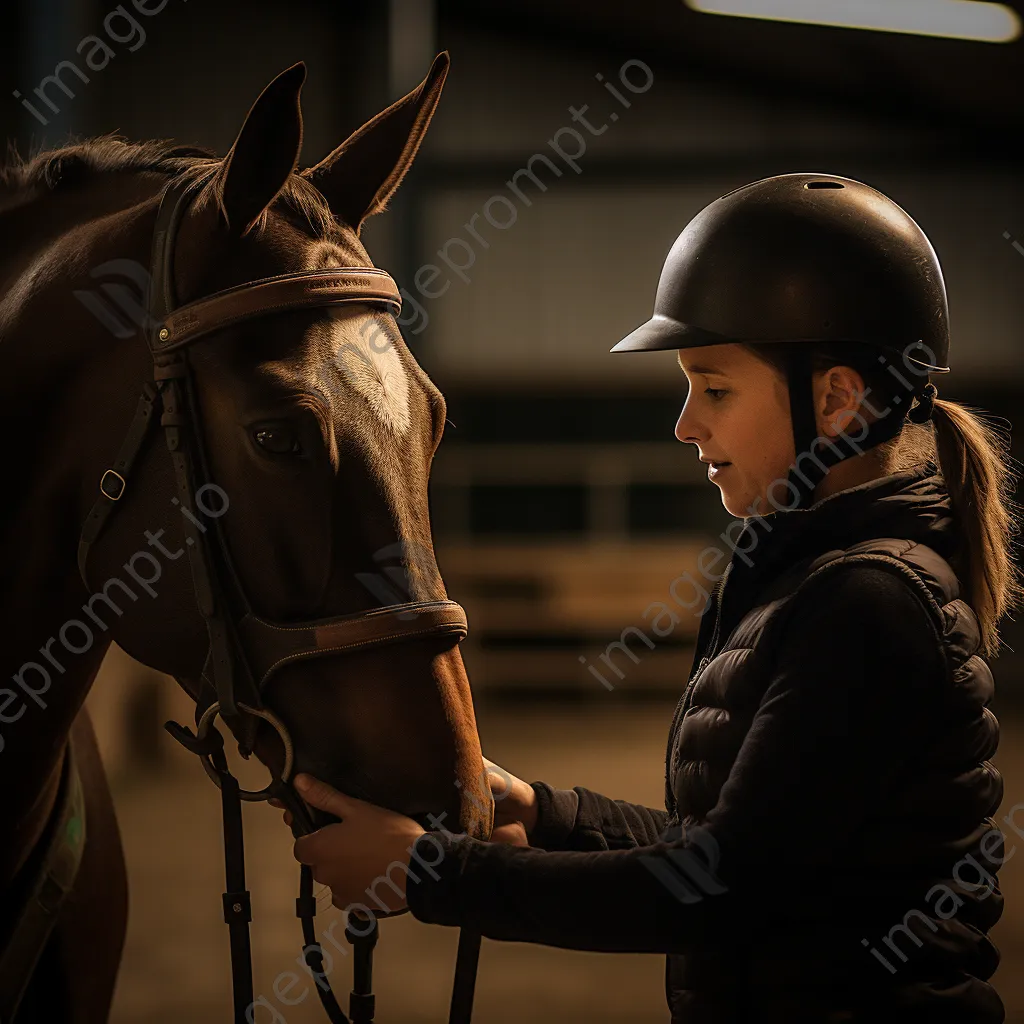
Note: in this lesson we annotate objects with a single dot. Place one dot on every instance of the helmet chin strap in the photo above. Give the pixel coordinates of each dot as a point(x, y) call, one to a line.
point(815, 455)
point(806, 474)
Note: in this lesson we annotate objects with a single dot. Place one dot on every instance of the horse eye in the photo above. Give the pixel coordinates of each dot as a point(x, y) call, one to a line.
point(278, 440)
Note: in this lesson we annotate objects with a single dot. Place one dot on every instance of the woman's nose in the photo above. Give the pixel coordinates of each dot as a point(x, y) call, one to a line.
point(686, 429)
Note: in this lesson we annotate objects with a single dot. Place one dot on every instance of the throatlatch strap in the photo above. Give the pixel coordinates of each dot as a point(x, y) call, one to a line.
point(114, 481)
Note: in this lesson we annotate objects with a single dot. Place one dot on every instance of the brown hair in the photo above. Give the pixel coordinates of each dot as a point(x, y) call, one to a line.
point(972, 454)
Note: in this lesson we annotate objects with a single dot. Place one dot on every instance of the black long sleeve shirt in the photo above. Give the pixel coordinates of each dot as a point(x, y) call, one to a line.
point(831, 731)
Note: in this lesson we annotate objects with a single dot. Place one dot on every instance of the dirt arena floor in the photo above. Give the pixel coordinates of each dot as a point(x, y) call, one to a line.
point(176, 963)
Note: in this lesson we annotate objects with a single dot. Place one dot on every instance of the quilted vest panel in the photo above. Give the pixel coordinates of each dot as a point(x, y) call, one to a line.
point(928, 820)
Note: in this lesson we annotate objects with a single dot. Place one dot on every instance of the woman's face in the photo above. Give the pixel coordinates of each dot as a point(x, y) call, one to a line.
point(737, 413)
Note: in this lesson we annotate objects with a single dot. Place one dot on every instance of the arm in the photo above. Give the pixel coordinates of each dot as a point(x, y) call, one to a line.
point(839, 718)
point(570, 819)
point(580, 819)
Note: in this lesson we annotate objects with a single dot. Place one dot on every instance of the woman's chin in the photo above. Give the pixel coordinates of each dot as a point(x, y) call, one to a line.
point(733, 508)
point(736, 504)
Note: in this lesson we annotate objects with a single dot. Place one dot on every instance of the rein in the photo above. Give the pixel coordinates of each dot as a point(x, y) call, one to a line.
point(245, 650)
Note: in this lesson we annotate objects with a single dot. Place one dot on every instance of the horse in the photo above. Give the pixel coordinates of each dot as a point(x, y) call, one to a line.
point(312, 433)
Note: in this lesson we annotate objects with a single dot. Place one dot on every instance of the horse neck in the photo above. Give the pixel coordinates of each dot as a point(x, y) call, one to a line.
point(68, 390)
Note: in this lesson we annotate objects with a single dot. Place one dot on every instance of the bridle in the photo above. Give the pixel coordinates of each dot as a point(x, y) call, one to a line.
point(245, 650)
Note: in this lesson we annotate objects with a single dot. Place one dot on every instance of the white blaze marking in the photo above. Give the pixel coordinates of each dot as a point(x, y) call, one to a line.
point(365, 353)
point(366, 356)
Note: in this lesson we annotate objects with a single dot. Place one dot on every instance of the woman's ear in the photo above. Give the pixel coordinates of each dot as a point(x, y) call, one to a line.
point(839, 397)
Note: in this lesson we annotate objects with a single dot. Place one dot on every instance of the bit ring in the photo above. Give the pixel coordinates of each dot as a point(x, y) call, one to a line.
point(206, 723)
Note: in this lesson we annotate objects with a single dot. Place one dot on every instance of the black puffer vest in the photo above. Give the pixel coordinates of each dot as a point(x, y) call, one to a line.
point(815, 963)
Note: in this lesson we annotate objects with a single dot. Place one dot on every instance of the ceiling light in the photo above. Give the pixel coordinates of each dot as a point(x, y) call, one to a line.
point(951, 19)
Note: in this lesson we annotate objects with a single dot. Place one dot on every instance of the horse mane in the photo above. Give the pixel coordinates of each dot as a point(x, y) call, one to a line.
point(76, 162)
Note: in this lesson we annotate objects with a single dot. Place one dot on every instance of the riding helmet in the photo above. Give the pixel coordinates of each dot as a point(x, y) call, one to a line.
point(804, 259)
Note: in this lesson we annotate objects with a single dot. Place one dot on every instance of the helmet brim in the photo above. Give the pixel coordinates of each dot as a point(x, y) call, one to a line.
point(662, 332)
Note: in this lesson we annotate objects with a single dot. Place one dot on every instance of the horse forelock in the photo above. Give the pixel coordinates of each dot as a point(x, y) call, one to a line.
point(77, 162)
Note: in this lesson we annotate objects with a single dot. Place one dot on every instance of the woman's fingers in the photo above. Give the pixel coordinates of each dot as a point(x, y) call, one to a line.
point(316, 848)
point(322, 796)
point(514, 800)
point(499, 780)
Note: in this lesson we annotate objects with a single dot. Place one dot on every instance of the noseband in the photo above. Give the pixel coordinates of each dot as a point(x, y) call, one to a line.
point(245, 651)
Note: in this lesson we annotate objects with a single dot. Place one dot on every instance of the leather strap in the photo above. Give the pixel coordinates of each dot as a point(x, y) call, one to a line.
point(237, 904)
point(269, 646)
point(230, 685)
point(361, 1000)
point(53, 881)
point(464, 986)
point(302, 290)
point(173, 206)
point(114, 481)
point(312, 951)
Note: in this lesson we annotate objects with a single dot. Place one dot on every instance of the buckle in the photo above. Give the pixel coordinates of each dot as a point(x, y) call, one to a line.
point(112, 485)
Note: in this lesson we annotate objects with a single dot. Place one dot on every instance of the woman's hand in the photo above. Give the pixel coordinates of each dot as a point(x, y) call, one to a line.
point(515, 806)
point(370, 845)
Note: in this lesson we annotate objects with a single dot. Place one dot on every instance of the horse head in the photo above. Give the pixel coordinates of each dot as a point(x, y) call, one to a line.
point(312, 429)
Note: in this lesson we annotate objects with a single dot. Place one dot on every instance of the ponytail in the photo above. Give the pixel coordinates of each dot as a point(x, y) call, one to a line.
point(974, 457)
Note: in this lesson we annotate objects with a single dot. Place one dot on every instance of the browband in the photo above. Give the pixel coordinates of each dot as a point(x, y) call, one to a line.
point(303, 289)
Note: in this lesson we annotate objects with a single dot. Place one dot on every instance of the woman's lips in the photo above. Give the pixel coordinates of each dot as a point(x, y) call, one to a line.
point(715, 468)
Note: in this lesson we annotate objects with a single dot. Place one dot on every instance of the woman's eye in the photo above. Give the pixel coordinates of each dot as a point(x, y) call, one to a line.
point(714, 392)
point(277, 440)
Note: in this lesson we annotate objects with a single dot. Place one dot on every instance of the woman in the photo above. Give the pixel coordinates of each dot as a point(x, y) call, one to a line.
point(827, 852)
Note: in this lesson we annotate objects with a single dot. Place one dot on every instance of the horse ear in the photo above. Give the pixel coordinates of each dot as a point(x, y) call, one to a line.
point(266, 151)
point(361, 175)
